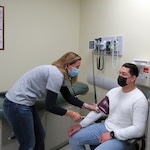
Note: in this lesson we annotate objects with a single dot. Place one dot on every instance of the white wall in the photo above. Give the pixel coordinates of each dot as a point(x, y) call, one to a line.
point(36, 32)
point(39, 31)
point(130, 18)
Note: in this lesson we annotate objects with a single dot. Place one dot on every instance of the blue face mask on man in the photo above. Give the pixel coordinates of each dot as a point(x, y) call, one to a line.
point(74, 72)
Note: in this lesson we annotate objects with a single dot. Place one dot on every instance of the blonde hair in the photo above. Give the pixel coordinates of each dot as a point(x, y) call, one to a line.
point(67, 59)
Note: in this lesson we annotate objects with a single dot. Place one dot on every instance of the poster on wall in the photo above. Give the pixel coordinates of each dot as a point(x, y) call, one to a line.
point(1, 27)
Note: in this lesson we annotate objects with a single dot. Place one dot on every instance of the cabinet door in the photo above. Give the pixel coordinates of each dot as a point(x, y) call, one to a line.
point(57, 129)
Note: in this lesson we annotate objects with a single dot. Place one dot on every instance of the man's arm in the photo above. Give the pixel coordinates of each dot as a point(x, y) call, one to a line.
point(91, 117)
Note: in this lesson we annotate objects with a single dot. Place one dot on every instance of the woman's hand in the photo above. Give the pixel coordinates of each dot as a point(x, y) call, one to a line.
point(91, 107)
point(75, 116)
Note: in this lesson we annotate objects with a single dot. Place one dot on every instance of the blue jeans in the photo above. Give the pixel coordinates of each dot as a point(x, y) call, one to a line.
point(26, 125)
point(90, 135)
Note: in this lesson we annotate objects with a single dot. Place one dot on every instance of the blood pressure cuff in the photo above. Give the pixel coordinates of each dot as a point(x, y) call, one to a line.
point(103, 105)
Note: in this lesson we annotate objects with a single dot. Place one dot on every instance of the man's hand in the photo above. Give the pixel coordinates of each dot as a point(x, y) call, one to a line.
point(105, 137)
point(74, 129)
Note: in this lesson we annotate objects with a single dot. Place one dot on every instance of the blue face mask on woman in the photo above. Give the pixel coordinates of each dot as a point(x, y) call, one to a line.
point(74, 72)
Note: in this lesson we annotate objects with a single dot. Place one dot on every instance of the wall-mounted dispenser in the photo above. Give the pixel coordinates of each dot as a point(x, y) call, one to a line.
point(144, 72)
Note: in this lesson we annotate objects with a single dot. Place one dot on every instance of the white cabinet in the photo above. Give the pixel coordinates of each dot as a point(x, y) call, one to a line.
point(57, 129)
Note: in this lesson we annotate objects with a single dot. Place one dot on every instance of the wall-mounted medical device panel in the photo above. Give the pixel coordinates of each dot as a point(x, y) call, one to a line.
point(107, 45)
point(144, 72)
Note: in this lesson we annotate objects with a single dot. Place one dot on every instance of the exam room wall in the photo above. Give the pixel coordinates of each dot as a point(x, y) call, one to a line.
point(129, 18)
point(36, 32)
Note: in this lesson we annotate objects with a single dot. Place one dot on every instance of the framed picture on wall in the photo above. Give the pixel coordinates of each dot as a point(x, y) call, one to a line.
point(1, 27)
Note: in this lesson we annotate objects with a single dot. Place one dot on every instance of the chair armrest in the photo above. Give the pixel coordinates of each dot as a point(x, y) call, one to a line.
point(131, 141)
point(137, 140)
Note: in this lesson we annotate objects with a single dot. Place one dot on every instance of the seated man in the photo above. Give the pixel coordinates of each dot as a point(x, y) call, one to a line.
point(127, 118)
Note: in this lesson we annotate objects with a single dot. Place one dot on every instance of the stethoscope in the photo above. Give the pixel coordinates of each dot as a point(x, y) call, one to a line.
point(100, 55)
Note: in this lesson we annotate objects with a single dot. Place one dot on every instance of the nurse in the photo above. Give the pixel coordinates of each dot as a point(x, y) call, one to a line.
point(42, 82)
